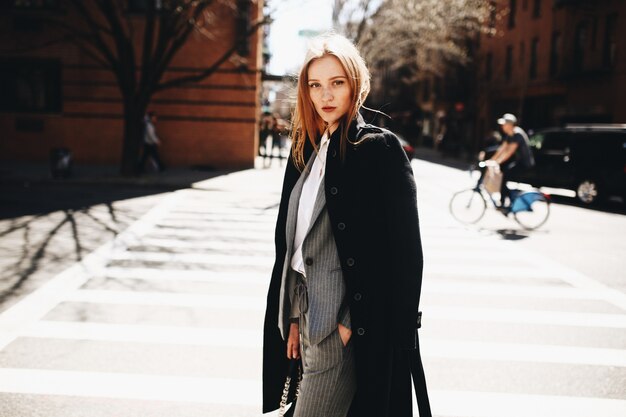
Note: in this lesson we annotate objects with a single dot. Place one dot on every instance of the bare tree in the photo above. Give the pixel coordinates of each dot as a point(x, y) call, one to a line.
point(424, 36)
point(103, 30)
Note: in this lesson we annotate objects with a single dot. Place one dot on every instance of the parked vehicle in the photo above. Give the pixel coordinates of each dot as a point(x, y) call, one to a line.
point(589, 159)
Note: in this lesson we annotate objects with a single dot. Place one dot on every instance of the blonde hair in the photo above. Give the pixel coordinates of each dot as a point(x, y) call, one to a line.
point(307, 124)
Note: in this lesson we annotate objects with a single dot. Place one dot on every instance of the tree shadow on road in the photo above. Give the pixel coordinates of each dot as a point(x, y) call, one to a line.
point(45, 229)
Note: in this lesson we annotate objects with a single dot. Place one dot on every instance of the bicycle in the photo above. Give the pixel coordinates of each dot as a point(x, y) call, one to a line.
point(530, 209)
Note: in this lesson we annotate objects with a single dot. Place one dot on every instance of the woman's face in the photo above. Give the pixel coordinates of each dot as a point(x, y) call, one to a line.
point(329, 89)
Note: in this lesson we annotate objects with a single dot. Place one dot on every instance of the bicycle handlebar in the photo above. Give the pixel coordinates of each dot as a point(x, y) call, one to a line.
point(488, 163)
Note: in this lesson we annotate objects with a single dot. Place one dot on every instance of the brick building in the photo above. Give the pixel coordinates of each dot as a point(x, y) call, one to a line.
point(553, 62)
point(58, 96)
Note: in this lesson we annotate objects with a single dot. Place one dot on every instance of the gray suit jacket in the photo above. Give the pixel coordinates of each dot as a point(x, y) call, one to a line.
point(324, 277)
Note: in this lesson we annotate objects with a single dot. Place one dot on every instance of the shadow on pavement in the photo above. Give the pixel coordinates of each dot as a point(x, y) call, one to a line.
point(47, 225)
point(613, 207)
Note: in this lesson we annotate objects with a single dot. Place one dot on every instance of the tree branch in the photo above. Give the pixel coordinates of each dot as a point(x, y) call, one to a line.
point(210, 70)
point(95, 34)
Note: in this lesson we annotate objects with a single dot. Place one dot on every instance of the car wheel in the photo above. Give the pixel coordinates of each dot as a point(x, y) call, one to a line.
point(587, 191)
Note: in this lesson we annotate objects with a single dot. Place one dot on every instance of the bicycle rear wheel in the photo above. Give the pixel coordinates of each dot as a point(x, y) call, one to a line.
point(468, 206)
point(531, 209)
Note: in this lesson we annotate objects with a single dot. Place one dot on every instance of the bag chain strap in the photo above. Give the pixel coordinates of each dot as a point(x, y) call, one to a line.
point(283, 398)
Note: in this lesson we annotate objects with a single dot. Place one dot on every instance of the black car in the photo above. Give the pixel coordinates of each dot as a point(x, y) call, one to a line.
point(589, 159)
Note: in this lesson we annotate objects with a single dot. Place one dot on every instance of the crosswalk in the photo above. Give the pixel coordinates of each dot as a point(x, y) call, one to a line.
point(167, 319)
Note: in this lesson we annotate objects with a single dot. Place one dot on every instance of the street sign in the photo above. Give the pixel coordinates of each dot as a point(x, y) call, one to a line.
point(309, 33)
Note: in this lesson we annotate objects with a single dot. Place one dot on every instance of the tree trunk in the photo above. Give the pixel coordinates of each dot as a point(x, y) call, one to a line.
point(133, 130)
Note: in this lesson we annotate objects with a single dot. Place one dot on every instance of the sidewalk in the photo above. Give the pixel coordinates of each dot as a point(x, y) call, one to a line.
point(12, 172)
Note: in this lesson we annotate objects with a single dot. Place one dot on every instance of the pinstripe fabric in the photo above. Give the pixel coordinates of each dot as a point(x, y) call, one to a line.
point(325, 283)
point(328, 378)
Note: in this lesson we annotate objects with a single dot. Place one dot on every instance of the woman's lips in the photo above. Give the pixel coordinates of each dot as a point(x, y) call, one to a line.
point(328, 109)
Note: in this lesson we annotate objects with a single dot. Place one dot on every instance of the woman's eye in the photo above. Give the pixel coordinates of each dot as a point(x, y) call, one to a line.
point(314, 85)
point(338, 82)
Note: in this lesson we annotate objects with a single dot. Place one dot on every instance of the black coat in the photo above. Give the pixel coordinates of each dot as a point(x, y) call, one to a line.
point(371, 202)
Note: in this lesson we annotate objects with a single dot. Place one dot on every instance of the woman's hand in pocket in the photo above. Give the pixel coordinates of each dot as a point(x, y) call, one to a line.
point(344, 333)
point(293, 342)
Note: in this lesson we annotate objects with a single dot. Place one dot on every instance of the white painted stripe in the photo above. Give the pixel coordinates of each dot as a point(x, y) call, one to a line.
point(218, 225)
point(454, 313)
point(243, 235)
point(236, 260)
point(223, 302)
point(510, 290)
point(490, 257)
point(130, 386)
point(429, 286)
point(248, 392)
point(229, 212)
point(252, 277)
point(254, 248)
point(503, 315)
point(220, 245)
point(141, 333)
point(517, 352)
point(492, 404)
point(247, 216)
point(480, 271)
point(252, 339)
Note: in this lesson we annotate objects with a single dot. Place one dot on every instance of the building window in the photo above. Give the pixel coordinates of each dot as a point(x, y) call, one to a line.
point(580, 41)
point(30, 86)
point(512, 12)
point(508, 66)
point(537, 9)
point(533, 58)
point(610, 40)
point(555, 54)
point(243, 26)
point(522, 52)
point(489, 66)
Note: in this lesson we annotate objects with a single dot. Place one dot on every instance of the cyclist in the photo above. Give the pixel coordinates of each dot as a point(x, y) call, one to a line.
point(513, 155)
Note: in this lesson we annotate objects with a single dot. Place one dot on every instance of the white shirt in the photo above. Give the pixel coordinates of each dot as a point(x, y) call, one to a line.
point(307, 201)
point(150, 136)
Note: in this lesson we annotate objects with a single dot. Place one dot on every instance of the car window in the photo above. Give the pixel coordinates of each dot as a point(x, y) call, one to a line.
point(555, 141)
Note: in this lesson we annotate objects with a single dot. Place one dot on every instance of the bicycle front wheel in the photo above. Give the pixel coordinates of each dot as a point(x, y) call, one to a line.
point(531, 209)
point(468, 206)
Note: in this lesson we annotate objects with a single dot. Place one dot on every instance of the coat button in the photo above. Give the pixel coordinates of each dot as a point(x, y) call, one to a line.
point(308, 261)
point(341, 226)
point(334, 153)
point(360, 331)
point(333, 190)
point(350, 262)
point(357, 296)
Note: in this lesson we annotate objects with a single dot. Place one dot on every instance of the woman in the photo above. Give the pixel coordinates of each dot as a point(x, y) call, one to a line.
point(345, 287)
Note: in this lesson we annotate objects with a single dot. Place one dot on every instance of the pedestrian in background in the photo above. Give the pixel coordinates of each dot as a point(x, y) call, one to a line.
point(151, 143)
point(265, 131)
point(513, 155)
point(345, 287)
point(278, 126)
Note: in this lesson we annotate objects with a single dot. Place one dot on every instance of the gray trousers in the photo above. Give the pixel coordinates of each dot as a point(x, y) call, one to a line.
point(328, 376)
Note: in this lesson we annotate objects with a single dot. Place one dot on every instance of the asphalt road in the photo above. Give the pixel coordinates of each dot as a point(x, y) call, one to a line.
point(166, 320)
